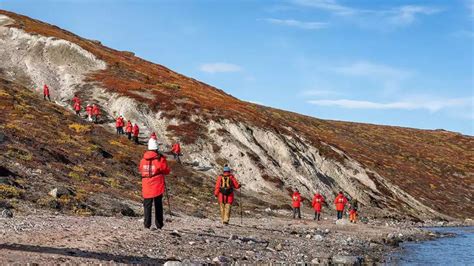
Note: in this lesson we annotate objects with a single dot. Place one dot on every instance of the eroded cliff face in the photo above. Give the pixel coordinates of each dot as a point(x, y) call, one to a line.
point(267, 162)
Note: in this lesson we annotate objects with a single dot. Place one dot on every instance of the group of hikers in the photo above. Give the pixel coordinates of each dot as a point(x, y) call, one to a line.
point(340, 203)
point(153, 167)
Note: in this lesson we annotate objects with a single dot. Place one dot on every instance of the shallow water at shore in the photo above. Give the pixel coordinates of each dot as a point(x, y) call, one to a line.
point(457, 250)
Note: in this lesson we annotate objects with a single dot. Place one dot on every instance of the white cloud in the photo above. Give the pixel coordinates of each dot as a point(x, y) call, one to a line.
point(373, 71)
point(397, 16)
point(307, 25)
point(219, 67)
point(414, 104)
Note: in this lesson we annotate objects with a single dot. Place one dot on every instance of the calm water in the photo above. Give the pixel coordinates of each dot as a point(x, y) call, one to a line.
point(458, 250)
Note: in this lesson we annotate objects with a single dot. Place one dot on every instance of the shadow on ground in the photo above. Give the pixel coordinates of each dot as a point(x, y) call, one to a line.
point(74, 252)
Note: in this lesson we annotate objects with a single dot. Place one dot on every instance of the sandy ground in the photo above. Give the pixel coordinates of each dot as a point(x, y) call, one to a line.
point(60, 239)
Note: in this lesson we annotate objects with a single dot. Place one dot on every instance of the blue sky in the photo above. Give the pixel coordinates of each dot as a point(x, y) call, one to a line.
point(407, 62)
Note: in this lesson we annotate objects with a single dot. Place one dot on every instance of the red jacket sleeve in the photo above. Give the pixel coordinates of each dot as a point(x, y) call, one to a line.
point(235, 182)
point(218, 185)
point(164, 166)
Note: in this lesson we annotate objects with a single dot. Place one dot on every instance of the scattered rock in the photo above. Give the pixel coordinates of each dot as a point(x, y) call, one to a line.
point(342, 222)
point(233, 237)
point(7, 213)
point(346, 260)
point(173, 263)
point(268, 210)
point(221, 260)
point(192, 243)
point(2, 137)
point(61, 191)
point(279, 247)
point(318, 237)
point(308, 236)
point(175, 233)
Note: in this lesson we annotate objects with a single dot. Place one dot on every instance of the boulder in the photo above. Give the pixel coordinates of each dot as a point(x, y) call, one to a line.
point(318, 237)
point(346, 260)
point(61, 191)
point(343, 222)
point(173, 263)
point(6, 213)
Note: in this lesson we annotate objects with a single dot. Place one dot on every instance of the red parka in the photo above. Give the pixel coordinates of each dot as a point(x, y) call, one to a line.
point(135, 130)
point(95, 110)
point(77, 106)
point(176, 149)
point(340, 202)
point(119, 122)
point(317, 203)
point(129, 127)
point(76, 100)
point(235, 184)
point(45, 90)
point(89, 110)
point(296, 200)
point(153, 168)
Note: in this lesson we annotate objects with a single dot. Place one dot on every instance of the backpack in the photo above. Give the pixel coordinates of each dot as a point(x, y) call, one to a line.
point(226, 186)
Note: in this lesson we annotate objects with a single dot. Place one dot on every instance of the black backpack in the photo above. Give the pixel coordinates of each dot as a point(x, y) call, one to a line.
point(226, 186)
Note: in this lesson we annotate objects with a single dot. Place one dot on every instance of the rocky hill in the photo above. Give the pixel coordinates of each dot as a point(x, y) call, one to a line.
point(392, 171)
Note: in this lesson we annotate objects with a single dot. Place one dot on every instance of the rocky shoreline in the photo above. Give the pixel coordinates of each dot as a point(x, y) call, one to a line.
point(268, 239)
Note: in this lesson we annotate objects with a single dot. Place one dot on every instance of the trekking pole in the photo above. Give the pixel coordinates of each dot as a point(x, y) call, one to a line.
point(241, 203)
point(167, 197)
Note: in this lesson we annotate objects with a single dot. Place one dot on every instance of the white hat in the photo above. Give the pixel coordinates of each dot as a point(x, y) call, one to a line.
point(152, 145)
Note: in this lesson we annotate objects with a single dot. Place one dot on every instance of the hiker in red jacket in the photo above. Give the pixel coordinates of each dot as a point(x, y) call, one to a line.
point(135, 132)
point(296, 203)
point(318, 201)
point(95, 112)
point(340, 203)
point(46, 92)
point(224, 191)
point(76, 99)
point(119, 123)
point(153, 168)
point(176, 151)
point(89, 112)
point(77, 107)
point(128, 129)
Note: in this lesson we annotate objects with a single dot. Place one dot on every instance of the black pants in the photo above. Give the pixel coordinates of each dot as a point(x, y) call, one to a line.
point(296, 211)
point(44, 97)
point(339, 214)
point(135, 138)
point(129, 134)
point(96, 119)
point(176, 157)
point(147, 205)
point(119, 130)
point(317, 215)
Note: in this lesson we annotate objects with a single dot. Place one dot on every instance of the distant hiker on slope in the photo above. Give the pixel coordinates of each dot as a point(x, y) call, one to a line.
point(75, 100)
point(318, 201)
point(340, 203)
point(224, 191)
point(46, 92)
point(153, 140)
point(119, 123)
point(95, 112)
point(153, 168)
point(89, 112)
point(296, 203)
point(77, 107)
point(353, 207)
point(128, 129)
point(135, 132)
point(176, 151)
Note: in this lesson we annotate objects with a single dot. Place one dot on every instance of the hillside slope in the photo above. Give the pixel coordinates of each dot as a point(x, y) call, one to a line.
point(390, 170)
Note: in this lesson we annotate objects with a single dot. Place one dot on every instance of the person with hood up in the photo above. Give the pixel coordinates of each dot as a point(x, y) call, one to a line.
point(119, 123)
point(135, 133)
point(89, 112)
point(296, 203)
point(95, 112)
point(153, 168)
point(76, 99)
point(318, 201)
point(46, 92)
point(224, 191)
point(340, 203)
point(77, 107)
point(176, 151)
point(128, 130)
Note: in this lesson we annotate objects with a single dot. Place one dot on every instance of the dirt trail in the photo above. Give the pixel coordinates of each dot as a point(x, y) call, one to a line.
point(59, 239)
